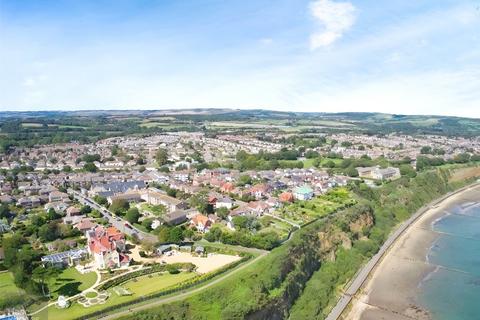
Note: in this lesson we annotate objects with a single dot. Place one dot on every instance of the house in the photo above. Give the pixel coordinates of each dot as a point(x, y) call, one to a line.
point(114, 188)
point(106, 245)
point(86, 225)
point(259, 190)
point(57, 196)
point(227, 187)
point(258, 207)
point(286, 197)
point(68, 258)
point(303, 193)
point(201, 222)
point(73, 211)
point(378, 173)
point(29, 202)
point(157, 198)
point(225, 202)
point(175, 217)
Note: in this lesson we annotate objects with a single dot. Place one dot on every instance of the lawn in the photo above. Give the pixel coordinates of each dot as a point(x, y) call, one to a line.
point(279, 227)
point(7, 286)
point(139, 287)
point(158, 210)
point(71, 282)
point(302, 212)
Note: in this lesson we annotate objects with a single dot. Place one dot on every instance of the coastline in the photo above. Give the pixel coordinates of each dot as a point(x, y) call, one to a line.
point(391, 289)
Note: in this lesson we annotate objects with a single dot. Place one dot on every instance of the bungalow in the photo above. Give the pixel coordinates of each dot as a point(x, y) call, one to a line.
point(303, 193)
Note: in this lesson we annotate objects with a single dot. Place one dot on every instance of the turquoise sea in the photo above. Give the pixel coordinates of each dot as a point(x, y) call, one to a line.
point(452, 291)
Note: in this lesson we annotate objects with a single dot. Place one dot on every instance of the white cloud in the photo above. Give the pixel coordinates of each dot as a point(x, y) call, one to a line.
point(335, 18)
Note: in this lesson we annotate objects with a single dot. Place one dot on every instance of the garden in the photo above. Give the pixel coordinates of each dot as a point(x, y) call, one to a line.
point(302, 212)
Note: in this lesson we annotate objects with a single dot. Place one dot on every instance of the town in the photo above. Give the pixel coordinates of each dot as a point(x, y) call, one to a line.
point(181, 206)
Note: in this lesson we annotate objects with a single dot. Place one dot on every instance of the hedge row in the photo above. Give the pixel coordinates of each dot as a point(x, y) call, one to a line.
point(178, 287)
point(154, 268)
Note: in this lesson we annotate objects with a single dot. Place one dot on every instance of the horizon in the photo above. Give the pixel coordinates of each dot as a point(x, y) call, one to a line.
point(308, 56)
point(230, 110)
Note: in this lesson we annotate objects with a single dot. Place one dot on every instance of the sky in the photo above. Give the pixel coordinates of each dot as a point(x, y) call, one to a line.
point(396, 56)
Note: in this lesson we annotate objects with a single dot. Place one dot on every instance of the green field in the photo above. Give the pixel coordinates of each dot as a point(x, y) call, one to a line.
point(70, 282)
point(158, 210)
point(139, 287)
point(302, 212)
point(7, 286)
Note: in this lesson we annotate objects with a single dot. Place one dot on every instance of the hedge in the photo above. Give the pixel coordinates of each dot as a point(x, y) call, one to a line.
point(175, 288)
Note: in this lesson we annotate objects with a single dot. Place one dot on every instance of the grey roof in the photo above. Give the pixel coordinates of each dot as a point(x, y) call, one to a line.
point(122, 186)
point(62, 256)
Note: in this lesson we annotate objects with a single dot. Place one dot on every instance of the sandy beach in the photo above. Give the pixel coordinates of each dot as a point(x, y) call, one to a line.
point(390, 291)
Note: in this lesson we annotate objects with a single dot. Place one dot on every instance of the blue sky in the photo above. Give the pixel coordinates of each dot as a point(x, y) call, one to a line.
point(411, 57)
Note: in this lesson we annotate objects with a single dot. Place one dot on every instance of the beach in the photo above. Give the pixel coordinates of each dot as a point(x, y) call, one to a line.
point(392, 289)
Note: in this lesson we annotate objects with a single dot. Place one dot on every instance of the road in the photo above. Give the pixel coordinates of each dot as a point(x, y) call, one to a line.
point(116, 221)
point(181, 296)
point(362, 276)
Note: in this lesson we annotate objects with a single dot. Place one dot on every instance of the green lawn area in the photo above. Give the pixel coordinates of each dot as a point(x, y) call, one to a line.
point(155, 210)
point(279, 227)
point(302, 212)
point(70, 282)
point(7, 286)
point(142, 286)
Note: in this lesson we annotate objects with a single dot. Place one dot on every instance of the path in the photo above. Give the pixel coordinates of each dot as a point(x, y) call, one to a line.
point(182, 295)
point(361, 276)
point(97, 283)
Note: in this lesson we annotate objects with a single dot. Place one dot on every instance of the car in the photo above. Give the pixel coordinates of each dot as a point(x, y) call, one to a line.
point(128, 225)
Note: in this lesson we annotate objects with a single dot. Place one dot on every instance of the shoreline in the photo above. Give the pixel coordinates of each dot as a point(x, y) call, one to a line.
point(390, 291)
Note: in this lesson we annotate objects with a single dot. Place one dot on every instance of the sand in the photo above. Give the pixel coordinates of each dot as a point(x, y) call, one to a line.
point(204, 264)
point(390, 291)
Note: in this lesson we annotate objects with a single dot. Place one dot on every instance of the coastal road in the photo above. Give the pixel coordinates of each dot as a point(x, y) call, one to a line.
point(116, 221)
point(362, 276)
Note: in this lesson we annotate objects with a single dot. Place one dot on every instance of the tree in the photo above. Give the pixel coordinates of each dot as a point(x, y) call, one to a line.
point(351, 172)
point(243, 180)
point(119, 206)
point(148, 246)
point(52, 214)
point(407, 170)
point(43, 274)
point(222, 212)
point(49, 231)
point(90, 167)
point(4, 211)
point(161, 157)
point(100, 200)
point(175, 235)
point(132, 215)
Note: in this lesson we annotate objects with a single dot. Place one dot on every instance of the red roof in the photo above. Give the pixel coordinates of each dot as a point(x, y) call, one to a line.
point(286, 197)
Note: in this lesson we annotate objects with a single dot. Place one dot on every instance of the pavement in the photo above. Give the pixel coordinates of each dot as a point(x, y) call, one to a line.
point(363, 274)
point(114, 220)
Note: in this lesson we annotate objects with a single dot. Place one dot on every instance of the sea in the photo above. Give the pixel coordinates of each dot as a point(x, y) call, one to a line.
point(452, 291)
